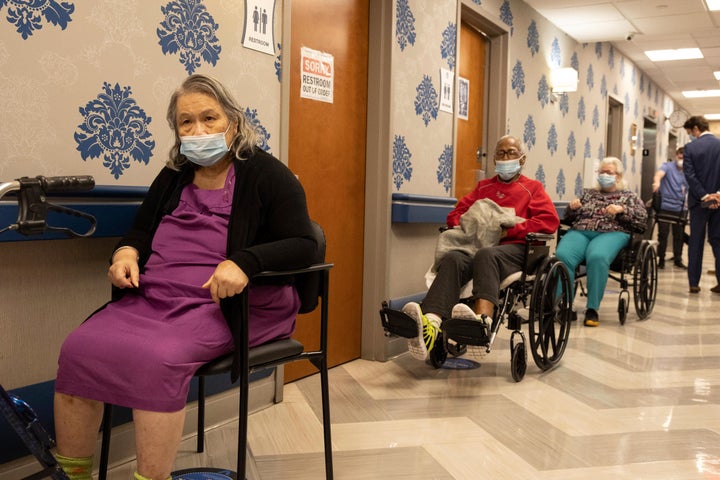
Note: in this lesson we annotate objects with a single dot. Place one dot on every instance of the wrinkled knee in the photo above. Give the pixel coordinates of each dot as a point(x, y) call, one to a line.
point(453, 259)
point(484, 255)
point(597, 260)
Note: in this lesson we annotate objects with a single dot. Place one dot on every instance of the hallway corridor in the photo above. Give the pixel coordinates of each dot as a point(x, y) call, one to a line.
point(639, 401)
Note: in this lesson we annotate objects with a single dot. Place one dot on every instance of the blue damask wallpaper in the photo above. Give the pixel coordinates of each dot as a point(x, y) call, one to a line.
point(562, 133)
point(86, 84)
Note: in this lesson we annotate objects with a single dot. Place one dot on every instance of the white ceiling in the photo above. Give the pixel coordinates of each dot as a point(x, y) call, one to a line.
point(653, 25)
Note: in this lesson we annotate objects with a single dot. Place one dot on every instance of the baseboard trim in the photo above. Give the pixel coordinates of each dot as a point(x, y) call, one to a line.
point(219, 409)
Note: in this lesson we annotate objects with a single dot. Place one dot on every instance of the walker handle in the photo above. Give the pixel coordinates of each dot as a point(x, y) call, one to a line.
point(33, 205)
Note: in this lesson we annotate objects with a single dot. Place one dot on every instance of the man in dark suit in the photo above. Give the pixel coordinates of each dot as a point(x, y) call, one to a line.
point(702, 171)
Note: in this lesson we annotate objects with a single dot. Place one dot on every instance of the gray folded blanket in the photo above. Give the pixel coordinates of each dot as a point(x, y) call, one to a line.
point(481, 226)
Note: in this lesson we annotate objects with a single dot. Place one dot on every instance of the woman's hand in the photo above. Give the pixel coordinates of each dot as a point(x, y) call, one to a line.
point(124, 271)
point(227, 280)
point(575, 204)
point(614, 209)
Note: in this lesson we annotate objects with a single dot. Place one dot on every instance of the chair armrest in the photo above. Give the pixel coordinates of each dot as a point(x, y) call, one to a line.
point(312, 268)
point(539, 237)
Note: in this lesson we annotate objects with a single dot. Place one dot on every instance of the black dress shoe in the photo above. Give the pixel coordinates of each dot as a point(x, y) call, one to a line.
point(680, 265)
point(661, 265)
point(694, 290)
point(716, 288)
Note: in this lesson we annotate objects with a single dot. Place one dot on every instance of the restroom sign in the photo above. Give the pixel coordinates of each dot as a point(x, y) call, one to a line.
point(259, 21)
point(317, 75)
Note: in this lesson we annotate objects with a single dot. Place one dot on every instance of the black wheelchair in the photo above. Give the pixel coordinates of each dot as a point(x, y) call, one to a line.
point(636, 267)
point(539, 295)
point(657, 216)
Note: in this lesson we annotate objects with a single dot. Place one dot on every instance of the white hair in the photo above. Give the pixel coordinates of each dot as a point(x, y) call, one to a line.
point(618, 169)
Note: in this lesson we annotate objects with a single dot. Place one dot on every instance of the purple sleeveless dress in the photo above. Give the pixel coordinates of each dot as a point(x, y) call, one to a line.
point(141, 351)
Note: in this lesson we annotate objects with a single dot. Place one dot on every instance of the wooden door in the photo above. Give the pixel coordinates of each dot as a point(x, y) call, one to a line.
point(471, 66)
point(327, 152)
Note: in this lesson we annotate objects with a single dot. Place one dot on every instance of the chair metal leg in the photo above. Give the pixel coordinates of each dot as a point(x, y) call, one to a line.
point(201, 415)
point(105, 445)
point(325, 393)
point(243, 423)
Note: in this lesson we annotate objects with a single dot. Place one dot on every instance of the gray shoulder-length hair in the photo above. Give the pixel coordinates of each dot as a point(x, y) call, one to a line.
point(618, 169)
point(244, 141)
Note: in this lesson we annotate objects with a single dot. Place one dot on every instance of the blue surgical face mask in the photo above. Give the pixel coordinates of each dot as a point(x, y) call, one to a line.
point(507, 169)
point(606, 180)
point(204, 150)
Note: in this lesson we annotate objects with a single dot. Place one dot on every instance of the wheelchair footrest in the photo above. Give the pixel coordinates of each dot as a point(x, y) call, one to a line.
point(466, 332)
point(398, 323)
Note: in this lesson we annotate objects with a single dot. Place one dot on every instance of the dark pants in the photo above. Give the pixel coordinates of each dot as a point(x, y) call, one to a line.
point(486, 269)
point(703, 220)
point(677, 233)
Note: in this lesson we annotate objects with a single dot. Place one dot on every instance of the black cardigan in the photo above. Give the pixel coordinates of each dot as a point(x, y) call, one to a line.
point(269, 227)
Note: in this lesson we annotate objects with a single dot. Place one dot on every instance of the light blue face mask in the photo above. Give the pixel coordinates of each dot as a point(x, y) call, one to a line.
point(204, 150)
point(507, 169)
point(606, 180)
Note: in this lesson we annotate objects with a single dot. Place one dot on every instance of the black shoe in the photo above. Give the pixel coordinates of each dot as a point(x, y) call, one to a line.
point(680, 265)
point(661, 265)
point(591, 318)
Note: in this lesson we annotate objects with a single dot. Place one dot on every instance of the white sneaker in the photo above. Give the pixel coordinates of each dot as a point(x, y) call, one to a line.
point(420, 346)
point(464, 312)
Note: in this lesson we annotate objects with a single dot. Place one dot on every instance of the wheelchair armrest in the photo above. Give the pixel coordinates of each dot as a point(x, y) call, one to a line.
point(539, 237)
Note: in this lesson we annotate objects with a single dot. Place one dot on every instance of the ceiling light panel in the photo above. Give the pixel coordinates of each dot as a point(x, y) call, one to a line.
point(713, 5)
point(674, 54)
point(701, 93)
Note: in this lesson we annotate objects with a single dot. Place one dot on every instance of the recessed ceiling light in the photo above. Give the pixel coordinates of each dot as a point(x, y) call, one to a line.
point(676, 54)
point(712, 116)
point(717, 75)
point(713, 4)
point(701, 93)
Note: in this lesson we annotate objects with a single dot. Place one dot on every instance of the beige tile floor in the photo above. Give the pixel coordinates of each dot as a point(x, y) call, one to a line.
point(639, 401)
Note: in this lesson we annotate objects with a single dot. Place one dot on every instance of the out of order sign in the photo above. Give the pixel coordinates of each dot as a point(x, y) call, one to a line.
point(317, 75)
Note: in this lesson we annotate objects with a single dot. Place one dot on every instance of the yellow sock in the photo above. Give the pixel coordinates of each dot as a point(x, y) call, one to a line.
point(140, 477)
point(76, 468)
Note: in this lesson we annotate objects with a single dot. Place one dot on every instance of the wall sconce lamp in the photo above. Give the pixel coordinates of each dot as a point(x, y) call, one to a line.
point(633, 139)
point(563, 80)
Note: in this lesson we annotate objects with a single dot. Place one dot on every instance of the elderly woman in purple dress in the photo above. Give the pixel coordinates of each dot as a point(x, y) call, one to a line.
point(221, 211)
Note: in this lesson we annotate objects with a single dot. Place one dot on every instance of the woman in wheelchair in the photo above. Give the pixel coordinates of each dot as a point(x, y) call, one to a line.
point(487, 267)
point(601, 222)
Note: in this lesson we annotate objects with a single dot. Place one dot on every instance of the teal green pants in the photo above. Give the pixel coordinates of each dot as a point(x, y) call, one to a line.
point(598, 250)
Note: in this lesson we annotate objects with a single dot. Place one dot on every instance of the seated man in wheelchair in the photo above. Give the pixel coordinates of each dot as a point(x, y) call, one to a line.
point(489, 265)
point(601, 222)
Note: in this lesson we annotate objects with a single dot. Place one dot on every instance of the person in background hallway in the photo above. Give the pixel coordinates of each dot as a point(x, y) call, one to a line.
point(221, 211)
point(601, 223)
point(509, 188)
point(669, 180)
point(702, 171)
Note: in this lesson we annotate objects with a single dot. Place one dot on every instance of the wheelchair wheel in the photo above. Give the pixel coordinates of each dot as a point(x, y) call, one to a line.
point(645, 281)
point(623, 305)
point(550, 311)
point(456, 349)
point(518, 357)
point(622, 310)
point(438, 354)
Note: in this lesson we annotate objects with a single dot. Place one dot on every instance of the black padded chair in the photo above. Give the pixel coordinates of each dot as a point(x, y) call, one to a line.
point(312, 285)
